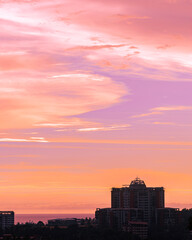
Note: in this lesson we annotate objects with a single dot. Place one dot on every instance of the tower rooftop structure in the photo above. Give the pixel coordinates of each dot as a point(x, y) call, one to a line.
point(137, 183)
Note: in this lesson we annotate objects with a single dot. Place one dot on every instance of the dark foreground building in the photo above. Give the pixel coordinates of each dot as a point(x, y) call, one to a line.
point(117, 218)
point(126, 219)
point(6, 219)
point(137, 208)
point(166, 217)
point(63, 222)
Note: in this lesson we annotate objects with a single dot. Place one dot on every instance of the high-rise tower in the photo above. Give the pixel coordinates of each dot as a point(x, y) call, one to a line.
point(137, 195)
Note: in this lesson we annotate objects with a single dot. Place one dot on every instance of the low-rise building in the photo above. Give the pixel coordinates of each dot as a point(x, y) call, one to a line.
point(117, 218)
point(166, 217)
point(123, 219)
point(63, 222)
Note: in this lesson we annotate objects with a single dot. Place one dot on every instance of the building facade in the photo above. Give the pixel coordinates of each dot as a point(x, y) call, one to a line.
point(137, 195)
point(6, 219)
point(123, 219)
point(117, 218)
point(167, 217)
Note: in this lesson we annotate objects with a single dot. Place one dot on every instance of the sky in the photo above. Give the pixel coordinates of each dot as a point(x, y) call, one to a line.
point(94, 93)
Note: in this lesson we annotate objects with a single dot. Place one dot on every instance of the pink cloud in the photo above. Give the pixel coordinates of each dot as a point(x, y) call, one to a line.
point(48, 100)
point(96, 47)
point(14, 62)
point(82, 26)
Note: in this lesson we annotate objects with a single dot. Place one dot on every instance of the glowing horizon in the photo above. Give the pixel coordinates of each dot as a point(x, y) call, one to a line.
point(93, 94)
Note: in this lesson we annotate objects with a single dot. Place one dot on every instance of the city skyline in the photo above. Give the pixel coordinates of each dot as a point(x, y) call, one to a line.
point(139, 209)
point(93, 94)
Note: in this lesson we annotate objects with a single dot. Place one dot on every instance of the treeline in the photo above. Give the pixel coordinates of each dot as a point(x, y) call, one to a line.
point(37, 232)
point(33, 231)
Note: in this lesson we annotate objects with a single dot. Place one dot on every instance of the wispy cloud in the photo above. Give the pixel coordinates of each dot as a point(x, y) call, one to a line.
point(96, 47)
point(161, 110)
point(67, 123)
point(164, 123)
point(89, 129)
point(146, 114)
point(23, 166)
point(18, 156)
point(106, 128)
point(23, 140)
point(172, 108)
point(122, 142)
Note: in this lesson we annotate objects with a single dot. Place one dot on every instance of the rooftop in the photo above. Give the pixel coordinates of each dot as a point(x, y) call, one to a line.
point(137, 182)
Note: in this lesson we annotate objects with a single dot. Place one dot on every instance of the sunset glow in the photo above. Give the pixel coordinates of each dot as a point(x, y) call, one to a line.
point(92, 94)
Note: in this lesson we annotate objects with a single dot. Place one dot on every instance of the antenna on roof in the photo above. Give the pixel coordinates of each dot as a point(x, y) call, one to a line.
point(125, 185)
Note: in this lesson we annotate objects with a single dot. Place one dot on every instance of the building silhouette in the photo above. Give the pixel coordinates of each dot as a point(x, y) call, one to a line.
point(6, 219)
point(138, 209)
point(126, 219)
point(137, 195)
